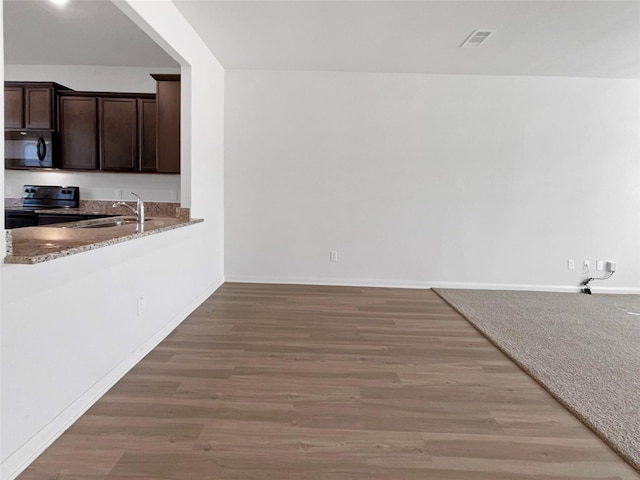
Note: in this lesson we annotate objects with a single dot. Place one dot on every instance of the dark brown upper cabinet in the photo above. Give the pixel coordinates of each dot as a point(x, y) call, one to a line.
point(114, 132)
point(13, 107)
point(78, 125)
point(118, 134)
point(168, 127)
point(109, 131)
point(147, 126)
point(30, 105)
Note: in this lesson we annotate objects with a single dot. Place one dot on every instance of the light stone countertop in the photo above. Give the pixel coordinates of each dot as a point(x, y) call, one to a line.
point(31, 245)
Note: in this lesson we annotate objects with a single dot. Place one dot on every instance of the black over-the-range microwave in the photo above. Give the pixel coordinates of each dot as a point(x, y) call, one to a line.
point(30, 149)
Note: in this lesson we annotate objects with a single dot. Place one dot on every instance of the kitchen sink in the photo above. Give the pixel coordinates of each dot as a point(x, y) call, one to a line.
point(133, 219)
point(115, 223)
point(105, 223)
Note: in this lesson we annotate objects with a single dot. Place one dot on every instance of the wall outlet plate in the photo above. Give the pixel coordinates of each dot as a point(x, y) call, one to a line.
point(140, 306)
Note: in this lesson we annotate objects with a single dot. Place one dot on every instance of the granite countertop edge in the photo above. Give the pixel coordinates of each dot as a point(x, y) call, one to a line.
point(34, 259)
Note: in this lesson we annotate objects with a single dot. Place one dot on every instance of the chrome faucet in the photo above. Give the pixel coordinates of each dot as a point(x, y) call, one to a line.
point(138, 211)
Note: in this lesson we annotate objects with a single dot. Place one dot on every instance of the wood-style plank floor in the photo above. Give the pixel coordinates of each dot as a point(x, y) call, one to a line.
point(281, 382)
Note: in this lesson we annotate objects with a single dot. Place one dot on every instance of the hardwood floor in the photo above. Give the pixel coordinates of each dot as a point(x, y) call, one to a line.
point(327, 383)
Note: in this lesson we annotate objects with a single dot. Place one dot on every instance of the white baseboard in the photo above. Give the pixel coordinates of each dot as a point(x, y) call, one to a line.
point(338, 282)
point(624, 290)
point(425, 284)
point(15, 463)
point(534, 288)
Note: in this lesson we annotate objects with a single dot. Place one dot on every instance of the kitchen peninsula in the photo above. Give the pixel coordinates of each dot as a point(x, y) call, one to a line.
point(32, 245)
point(53, 222)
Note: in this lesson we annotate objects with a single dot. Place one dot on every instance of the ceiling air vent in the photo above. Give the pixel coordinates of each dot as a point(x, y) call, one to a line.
point(477, 38)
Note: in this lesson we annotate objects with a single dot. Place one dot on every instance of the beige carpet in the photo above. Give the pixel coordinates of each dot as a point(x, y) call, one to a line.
point(584, 349)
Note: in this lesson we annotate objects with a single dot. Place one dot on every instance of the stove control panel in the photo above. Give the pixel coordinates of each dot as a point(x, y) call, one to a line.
point(51, 196)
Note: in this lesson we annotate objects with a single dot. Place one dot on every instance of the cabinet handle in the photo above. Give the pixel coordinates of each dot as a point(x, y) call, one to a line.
point(41, 149)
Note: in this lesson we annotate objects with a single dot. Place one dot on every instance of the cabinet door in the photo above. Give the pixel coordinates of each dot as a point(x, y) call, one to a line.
point(118, 134)
point(13, 107)
point(168, 143)
point(38, 108)
point(78, 133)
point(147, 134)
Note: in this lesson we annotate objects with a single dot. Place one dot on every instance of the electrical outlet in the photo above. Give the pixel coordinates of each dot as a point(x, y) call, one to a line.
point(571, 264)
point(585, 266)
point(600, 265)
point(140, 306)
point(611, 266)
point(333, 256)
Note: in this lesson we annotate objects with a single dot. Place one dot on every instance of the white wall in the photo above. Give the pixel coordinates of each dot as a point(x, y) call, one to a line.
point(66, 341)
point(419, 180)
point(97, 78)
point(94, 185)
point(98, 186)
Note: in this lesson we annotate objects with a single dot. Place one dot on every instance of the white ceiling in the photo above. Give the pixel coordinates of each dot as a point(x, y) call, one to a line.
point(36, 32)
point(533, 37)
point(557, 38)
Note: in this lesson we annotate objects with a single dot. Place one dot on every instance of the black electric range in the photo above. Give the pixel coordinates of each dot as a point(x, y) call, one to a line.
point(41, 197)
